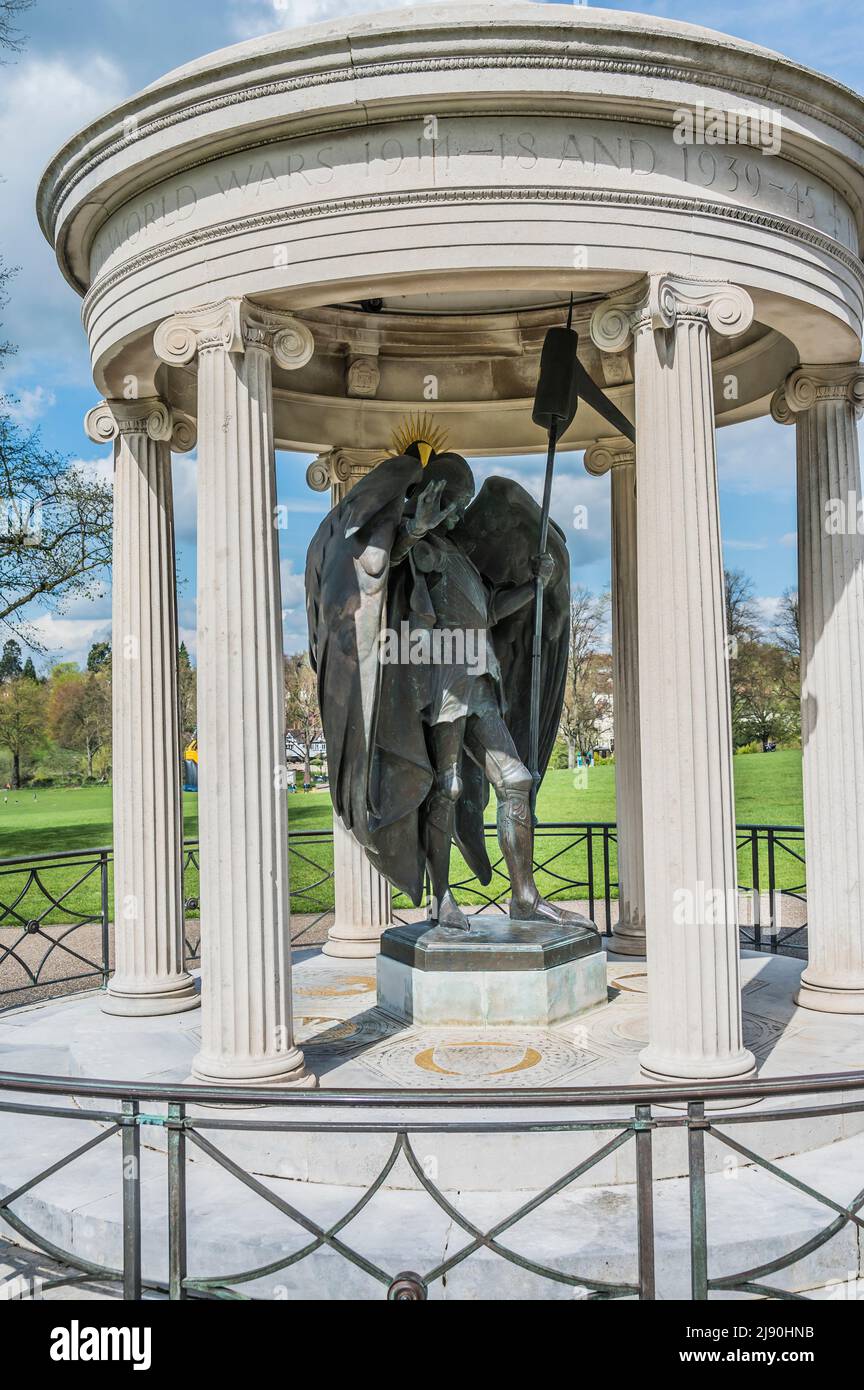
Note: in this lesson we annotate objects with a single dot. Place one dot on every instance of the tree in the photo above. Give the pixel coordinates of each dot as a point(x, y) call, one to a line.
point(742, 617)
point(22, 720)
point(763, 706)
point(302, 718)
point(80, 713)
point(588, 693)
point(29, 671)
point(55, 527)
point(11, 37)
point(99, 657)
point(55, 519)
point(188, 694)
point(786, 632)
point(10, 661)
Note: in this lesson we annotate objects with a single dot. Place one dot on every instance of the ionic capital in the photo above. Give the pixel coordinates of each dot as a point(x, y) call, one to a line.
point(147, 415)
point(607, 454)
point(664, 300)
point(808, 385)
point(233, 325)
point(341, 467)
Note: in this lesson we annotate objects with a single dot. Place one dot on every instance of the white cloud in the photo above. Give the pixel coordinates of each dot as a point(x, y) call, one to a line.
point(100, 469)
point(25, 407)
point(68, 639)
point(767, 608)
point(251, 18)
point(42, 102)
point(293, 589)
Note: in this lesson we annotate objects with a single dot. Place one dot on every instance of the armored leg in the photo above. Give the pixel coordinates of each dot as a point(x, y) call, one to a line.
point(490, 744)
point(440, 810)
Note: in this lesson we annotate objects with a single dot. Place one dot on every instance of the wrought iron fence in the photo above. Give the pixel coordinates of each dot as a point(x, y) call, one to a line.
point(628, 1115)
point(55, 910)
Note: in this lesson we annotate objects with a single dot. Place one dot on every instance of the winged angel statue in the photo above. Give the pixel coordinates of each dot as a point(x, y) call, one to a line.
point(419, 603)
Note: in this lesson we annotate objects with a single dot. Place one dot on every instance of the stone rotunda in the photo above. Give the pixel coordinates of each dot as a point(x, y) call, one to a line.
point(294, 242)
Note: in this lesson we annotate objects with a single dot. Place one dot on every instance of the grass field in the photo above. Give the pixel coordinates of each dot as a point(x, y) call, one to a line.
point(767, 792)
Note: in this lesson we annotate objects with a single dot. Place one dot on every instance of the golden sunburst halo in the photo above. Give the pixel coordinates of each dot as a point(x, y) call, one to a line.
point(419, 429)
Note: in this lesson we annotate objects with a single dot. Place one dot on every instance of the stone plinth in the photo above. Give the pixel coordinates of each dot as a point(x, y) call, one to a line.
point(499, 973)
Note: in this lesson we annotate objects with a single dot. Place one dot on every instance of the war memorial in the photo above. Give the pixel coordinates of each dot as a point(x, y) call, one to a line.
point(393, 243)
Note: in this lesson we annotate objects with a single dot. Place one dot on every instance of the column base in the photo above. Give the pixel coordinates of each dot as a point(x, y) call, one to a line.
point(171, 996)
point(629, 942)
point(828, 999)
point(352, 947)
point(287, 1069)
point(655, 1067)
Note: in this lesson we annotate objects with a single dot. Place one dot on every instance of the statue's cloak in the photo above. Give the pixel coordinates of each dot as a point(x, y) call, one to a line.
point(378, 759)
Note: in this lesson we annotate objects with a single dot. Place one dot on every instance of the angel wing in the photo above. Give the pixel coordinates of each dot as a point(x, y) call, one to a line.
point(501, 529)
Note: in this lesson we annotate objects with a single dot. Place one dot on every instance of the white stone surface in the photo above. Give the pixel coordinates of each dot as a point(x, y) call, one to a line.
point(590, 1227)
point(243, 831)
point(362, 900)
point(150, 977)
point(686, 742)
point(824, 402)
point(553, 166)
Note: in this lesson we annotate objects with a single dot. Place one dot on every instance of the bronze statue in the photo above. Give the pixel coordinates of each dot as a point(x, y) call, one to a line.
point(420, 609)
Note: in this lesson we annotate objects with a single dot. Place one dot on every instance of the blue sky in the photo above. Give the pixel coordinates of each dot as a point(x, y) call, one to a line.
point(83, 56)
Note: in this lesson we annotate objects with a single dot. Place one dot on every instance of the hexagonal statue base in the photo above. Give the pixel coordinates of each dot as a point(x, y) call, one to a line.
point(500, 972)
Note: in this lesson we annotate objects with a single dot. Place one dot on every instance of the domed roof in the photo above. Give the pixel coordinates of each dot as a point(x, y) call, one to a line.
point(573, 22)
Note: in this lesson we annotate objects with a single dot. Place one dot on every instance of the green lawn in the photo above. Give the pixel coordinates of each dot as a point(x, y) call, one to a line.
point(767, 788)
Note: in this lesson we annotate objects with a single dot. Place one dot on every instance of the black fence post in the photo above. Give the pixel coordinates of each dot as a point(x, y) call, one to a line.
point(176, 1201)
point(644, 1127)
point(105, 923)
point(696, 1126)
point(131, 1136)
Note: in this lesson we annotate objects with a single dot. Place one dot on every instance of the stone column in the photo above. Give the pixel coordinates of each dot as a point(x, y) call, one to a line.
point(149, 976)
point(363, 907)
point(619, 457)
point(823, 402)
point(688, 812)
point(245, 907)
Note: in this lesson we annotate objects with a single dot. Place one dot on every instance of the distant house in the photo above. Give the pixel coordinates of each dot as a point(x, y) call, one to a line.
point(295, 749)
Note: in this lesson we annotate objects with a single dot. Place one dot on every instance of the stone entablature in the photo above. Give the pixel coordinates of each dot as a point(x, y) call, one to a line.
point(504, 154)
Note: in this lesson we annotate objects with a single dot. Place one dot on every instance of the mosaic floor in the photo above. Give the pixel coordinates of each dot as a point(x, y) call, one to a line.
point(349, 1042)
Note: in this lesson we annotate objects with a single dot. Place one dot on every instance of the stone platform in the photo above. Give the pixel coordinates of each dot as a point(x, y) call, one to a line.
point(500, 973)
point(349, 1042)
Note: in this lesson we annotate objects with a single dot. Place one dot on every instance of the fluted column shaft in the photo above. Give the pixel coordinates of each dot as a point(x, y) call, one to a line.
point(628, 936)
point(150, 976)
point(245, 906)
point(363, 900)
point(619, 458)
point(823, 402)
point(694, 994)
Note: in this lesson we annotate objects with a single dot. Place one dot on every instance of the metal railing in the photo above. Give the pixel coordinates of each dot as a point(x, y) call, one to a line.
point(55, 910)
point(125, 1110)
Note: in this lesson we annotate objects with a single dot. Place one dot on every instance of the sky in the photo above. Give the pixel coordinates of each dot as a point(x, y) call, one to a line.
point(83, 56)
